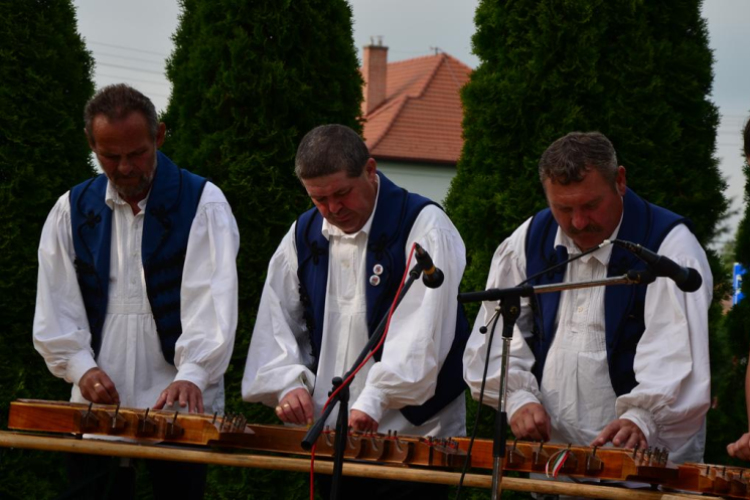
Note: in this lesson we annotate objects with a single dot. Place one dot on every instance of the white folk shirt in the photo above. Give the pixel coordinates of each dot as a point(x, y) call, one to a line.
point(421, 332)
point(671, 364)
point(130, 351)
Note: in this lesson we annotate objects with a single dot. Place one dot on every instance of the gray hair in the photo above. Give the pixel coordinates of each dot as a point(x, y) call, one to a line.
point(329, 149)
point(569, 158)
point(116, 102)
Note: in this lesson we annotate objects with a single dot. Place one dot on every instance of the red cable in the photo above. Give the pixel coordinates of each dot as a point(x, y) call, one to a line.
point(362, 364)
point(312, 472)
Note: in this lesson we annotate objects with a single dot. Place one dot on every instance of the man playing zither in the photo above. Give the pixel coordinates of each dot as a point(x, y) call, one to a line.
point(137, 294)
point(626, 364)
point(330, 282)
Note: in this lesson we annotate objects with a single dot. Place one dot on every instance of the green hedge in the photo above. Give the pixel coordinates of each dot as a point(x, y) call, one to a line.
point(639, 72)
point(250, 78)
point(46, 80)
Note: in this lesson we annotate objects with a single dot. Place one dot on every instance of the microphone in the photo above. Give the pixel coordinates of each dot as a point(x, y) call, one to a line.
point(686, 278)
point(432, 277)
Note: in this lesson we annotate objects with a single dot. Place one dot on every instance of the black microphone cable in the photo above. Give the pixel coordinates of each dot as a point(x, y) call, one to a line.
point(473, 437)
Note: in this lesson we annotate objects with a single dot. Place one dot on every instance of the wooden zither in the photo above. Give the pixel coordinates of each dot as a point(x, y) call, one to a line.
point(650, 466)
point(228, 431)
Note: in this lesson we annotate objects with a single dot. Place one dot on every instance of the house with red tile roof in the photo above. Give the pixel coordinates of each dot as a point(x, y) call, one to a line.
point(412, 111)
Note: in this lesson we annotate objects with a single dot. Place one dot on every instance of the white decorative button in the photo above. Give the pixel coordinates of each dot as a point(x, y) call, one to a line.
point(580, 309)
point(377, 269)
point(374, 280)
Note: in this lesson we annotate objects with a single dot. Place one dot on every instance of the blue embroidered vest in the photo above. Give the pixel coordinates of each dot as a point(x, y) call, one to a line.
point(397, 209)
point(171, 207)
point(642, 223)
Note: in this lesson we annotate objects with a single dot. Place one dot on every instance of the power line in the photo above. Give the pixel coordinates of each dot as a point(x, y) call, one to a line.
point(128, 48)
point(131, 68)
point(129, 58)
point(148, 93)
point(124, 78)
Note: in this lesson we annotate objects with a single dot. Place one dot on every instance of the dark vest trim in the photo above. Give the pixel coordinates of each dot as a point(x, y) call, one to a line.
point(397, 209)
point(169, 214)
point(643, 223)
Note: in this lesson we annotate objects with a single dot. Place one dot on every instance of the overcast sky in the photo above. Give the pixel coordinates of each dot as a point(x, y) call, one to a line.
point(130, 40)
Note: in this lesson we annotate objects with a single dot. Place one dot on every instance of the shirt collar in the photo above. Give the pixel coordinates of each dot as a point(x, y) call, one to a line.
point(113, 198)
point(328, 230)
point(602, 255)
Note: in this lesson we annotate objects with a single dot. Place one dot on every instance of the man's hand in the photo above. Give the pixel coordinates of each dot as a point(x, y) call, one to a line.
point(623, 433)
point(362, 422)
point(97, 387)
point(531, 422)
point(740, 448)
point(185, 393)
point(296, 407)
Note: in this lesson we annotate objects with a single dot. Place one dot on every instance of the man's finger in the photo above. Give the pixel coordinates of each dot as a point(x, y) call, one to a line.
point(280, 413)
point(160, 402)
point(102, 394)
point(299, 411)
point(515, 429)
point(291, 417)
point(169, 397)
point(108, 385)
point(286, 414)
point(307, 408)
point(620, 438)
point(531, 430)
point(633, 441)
point(541, 422)
point(604, 436)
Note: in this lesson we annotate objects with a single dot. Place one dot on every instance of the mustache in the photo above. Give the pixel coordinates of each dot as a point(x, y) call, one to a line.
point(590, 229)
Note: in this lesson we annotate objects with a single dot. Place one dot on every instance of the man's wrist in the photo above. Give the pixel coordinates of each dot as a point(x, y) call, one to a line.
point(372, 402)
point(191, 372)
point(78, 365)
point(517, 399)
point(645, 422)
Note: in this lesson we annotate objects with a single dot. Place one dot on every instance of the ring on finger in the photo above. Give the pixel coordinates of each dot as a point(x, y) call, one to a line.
point(286, 405)
point(98, 384)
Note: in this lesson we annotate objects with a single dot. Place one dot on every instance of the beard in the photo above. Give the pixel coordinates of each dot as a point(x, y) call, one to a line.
point(129, 190)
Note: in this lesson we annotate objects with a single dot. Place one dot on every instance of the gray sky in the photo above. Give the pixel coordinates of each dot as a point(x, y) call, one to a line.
point(130, 40)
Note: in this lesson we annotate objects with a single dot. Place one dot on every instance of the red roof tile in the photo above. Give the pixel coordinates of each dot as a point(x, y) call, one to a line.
point(420, 119)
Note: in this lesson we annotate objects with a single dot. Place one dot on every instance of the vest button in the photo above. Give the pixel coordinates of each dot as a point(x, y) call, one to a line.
point(374, 280)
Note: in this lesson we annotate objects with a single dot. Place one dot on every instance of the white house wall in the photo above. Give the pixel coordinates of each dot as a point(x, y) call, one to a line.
point(428, 180)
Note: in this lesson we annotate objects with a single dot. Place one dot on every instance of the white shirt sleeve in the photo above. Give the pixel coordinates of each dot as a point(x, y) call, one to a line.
point(422, 328)
point(508, 269)
point(61, 328)
point(280, 354)
point(208, 297)
point(672, 362)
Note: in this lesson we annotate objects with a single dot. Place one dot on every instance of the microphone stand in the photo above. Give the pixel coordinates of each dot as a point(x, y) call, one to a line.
point(342, 397)
point(510, 308)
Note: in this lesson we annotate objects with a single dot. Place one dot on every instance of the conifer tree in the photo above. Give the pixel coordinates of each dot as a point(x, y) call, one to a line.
point(43, 152)
point(250, 78)
point(732, 356)
point(639, 72)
